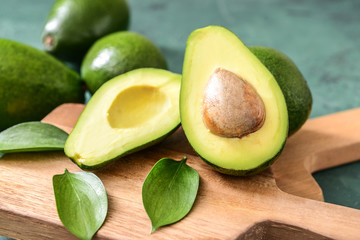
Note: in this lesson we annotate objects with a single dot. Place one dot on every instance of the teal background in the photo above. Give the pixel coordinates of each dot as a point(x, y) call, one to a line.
point(321, 36)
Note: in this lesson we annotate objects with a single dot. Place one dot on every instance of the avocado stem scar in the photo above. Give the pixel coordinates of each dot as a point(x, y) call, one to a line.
point(231, 107)
point(49, 42)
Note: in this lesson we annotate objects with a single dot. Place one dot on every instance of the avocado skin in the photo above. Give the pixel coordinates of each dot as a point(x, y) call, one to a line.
point(75, 25)
point(32, 83)
point(142, 147)
point(292, 83)
point(116, 54)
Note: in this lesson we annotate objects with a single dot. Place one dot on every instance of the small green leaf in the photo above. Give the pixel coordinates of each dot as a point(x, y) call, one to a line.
point(81, 202)
point(32, 137)
point(169, 191)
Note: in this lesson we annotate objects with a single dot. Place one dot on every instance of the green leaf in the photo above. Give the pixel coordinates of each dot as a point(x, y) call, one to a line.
point(81, 202)
point(169, 191)
point(32, 137)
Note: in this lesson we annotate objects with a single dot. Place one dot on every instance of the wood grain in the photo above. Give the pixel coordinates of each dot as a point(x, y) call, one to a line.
point(226, 207)
point(322, 143)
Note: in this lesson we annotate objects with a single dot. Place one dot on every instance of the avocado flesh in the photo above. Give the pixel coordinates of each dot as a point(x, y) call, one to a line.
point(74, 25)
point(292, 83)
point(216, 47)
point(128, 113)
point(33, 83)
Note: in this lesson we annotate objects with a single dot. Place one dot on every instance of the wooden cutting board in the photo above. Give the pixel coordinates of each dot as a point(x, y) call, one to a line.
point(283, 202)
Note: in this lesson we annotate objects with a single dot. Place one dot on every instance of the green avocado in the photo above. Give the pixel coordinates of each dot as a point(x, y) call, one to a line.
point(128, 113)
point(116, 54)
point(232, 110)
point(292, 83)
point(32, 83)
point(74, 25)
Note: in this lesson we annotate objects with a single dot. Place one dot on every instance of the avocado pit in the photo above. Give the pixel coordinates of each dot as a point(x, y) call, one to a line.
point(231, 107)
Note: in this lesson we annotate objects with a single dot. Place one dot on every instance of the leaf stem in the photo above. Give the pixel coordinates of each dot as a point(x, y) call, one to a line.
point(152, 229)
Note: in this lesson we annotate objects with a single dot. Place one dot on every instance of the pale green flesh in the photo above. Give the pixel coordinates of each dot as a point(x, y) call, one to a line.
point(208, 49)
point(127, 112)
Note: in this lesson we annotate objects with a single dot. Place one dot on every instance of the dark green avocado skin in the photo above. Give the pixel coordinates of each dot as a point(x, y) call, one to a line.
point(292, 83)
point(118, 53)
point(32, 83)
point(74, 25)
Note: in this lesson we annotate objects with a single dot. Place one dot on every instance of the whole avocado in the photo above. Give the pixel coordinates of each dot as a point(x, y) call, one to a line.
point(118, 53)
point(292, 83)
point(74, 25)
point(32, 83)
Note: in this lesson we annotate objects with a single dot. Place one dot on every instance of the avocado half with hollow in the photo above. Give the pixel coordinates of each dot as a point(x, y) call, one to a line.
point(128, 113)
point(232, 110)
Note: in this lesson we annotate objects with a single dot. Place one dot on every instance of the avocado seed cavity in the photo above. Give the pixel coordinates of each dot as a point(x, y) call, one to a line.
point(137, 105)
point(231, 107)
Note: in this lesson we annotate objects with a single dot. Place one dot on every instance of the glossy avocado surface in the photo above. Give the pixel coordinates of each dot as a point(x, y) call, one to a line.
point(74, 25)
point(118, 53)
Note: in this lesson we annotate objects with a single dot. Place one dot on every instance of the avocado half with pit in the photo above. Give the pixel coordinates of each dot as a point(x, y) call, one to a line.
point(232, 110)
point(128, 113)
